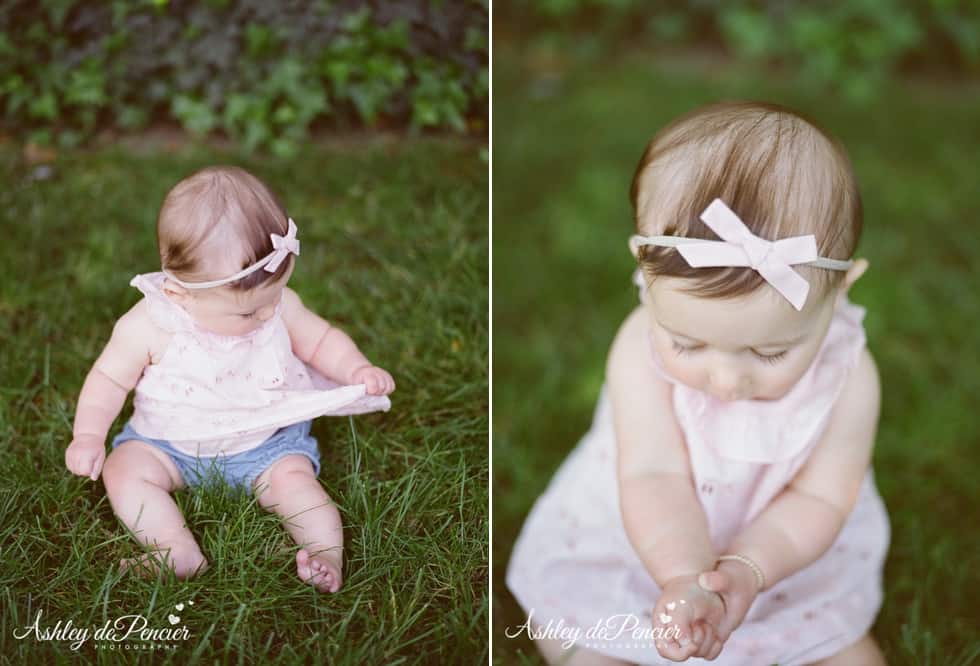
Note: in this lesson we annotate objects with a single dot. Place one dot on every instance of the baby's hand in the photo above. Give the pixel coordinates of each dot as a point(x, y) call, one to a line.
point(85, 456)
point(377, 381)
point(695, 612)
point(738, 587)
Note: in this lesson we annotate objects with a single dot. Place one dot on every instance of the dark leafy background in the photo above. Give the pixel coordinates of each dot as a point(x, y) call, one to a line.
point(261, 72)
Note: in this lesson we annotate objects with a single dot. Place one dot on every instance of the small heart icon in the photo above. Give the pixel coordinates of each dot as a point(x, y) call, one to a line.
point(179, 607)
point(664, 618)
point(173, 619)
point(670, 606)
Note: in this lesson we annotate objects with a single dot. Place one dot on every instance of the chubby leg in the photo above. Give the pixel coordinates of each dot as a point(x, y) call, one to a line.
point(138, 481)
point(290, 488)
point(865, 652)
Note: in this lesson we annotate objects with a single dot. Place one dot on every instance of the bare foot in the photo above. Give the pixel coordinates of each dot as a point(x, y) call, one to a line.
point(185, 565)
point(321, 570)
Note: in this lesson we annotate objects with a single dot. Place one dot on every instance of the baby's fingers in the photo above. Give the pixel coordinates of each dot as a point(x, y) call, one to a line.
point(708, 639)
point(671, 650)
point(678, 637)
point(714, 650)
point(96, 468)
point(78, 462)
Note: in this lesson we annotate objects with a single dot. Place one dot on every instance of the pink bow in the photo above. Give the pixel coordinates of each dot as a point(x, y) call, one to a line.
point(740, 247)
point(282, 246)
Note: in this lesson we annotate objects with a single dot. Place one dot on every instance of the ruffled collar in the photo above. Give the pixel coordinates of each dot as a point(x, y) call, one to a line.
point(768, 431)
point(171, 316)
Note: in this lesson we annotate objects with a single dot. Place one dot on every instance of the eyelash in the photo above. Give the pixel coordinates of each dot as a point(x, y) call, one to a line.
point(249, 315)
point(768, 358)
point(772, 359)
point(681, 349)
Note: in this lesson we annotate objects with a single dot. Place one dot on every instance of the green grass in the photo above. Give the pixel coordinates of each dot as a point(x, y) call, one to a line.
point(394, 251)
point(568, 133)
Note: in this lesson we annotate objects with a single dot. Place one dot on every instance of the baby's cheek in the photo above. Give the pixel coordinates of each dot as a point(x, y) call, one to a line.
point(780, 379)
point(683, 371)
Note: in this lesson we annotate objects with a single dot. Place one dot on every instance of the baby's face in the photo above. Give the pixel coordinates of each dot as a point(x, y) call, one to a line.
point(753, 347)
point(227, 312)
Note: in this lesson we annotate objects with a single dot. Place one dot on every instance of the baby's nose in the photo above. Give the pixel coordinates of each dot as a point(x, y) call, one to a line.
point(725, 384)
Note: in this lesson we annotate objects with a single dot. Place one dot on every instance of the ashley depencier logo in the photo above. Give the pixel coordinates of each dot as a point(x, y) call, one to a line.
point(128, 632)
point(622, 630)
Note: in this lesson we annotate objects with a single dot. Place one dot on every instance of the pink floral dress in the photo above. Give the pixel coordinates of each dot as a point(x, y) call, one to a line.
point(211, 393)
point(573, 567)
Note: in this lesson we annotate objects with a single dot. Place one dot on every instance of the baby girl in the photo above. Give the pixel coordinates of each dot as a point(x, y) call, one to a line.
point(228, 368)
point(723, 505)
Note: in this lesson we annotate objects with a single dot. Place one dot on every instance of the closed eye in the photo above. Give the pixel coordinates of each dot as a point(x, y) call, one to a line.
point(684, 349)
point(770, 358)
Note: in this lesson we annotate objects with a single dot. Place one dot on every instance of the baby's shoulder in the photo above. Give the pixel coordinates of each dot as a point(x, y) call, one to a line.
point(631, 344)
point(860, 396)
point(137, 327)
point(291, 302)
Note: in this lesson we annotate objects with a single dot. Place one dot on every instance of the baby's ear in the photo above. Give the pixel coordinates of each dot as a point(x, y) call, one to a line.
point(852, 275)
point(635, 246)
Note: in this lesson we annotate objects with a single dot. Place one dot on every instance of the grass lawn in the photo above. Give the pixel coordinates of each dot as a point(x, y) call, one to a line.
point(568, 133)
point(394, 242)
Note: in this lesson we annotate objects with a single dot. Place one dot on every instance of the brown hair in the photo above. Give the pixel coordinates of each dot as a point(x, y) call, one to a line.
point(224, 209)
point(780, 173)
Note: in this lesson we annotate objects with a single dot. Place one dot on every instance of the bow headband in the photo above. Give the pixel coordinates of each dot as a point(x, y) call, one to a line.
point(283, 246)
point(740, 247)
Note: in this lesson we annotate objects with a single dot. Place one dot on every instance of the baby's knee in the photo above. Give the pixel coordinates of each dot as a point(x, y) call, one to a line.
point(283, 476)
point(115, 470)
point(131, 464)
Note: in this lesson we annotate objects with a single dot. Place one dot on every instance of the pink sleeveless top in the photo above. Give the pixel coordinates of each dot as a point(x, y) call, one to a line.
point(574, 564)
point(758, 446)
point(212, 393)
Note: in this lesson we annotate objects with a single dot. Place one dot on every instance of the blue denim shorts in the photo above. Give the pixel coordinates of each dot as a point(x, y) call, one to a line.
point(238, 469)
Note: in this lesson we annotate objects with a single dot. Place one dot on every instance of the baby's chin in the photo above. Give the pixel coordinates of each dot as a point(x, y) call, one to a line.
point(771, 396)
point(776, 393)
point(226, 330)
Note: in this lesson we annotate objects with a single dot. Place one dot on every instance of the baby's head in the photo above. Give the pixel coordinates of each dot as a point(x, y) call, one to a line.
point(726, 330)
point(213, 224)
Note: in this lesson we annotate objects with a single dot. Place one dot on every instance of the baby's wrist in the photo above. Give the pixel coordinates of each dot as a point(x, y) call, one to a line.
point(359, 369)
point(88, 438)
point(744, 570)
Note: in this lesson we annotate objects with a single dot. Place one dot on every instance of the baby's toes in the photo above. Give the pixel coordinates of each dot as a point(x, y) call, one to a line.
point(315, 572)
point(324, 580)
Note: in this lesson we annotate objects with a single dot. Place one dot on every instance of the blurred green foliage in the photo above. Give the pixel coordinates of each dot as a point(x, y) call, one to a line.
point(849, 48)
point(261, 72)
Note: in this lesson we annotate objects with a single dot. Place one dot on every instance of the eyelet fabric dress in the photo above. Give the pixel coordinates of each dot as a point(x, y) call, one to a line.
point(573, 566)
point(213, 394)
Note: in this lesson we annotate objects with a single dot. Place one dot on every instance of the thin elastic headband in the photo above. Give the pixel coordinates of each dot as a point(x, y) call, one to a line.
point(740, 247)
point(284, 246)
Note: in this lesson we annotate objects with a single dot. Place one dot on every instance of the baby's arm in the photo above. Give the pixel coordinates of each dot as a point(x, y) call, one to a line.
point(104, 392)
point(663, 518)
point(804, 520)
point(329, 349)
